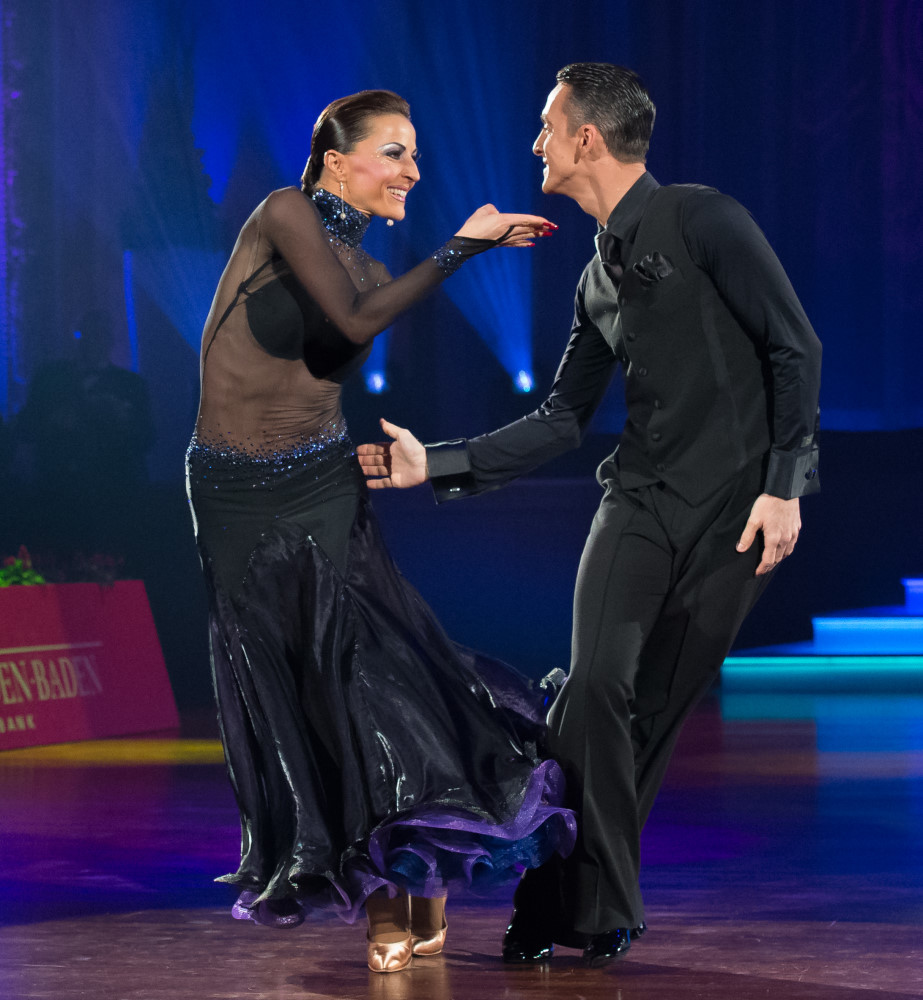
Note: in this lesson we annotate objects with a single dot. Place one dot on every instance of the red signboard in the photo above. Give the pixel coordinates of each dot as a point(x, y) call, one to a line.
point(79, 661)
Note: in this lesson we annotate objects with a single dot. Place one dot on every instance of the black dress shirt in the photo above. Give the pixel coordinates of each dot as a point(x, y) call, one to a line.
point(725, 244)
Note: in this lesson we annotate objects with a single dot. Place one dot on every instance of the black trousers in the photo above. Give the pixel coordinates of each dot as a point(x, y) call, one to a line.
point(661, 593)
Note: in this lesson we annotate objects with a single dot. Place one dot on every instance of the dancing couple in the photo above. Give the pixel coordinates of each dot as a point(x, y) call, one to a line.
point(375, 763)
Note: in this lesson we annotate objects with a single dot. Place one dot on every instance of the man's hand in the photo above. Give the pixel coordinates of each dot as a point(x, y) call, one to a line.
point(779, 521)
point(399, 463)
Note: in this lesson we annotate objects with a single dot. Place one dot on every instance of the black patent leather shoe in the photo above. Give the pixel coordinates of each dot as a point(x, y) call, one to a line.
point(601, 949)
point(636, 932)
point(525, 941)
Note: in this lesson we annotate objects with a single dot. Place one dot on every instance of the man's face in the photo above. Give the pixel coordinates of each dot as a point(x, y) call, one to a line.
point(555, 145)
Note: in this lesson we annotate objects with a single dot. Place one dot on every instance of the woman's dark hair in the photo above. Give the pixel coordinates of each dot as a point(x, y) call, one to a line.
point(345, 122)
point(613, 99)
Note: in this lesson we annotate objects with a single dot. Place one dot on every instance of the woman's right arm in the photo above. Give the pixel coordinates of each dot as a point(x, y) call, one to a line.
point(292, 225)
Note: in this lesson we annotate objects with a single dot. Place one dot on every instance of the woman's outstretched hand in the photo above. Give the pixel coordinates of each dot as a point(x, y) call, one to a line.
point(399, 463)
point(509, 228)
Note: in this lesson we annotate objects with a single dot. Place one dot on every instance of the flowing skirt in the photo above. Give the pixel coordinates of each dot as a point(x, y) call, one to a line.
point(365, 748)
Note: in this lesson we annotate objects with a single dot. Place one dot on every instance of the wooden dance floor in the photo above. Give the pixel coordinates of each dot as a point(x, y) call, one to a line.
point(783, 859)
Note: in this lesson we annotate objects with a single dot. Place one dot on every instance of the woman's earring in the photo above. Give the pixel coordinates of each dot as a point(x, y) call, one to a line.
point(390, 222)
point(342, 203)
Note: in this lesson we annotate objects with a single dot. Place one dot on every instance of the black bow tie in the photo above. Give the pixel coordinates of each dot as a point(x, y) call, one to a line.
point(609, 249)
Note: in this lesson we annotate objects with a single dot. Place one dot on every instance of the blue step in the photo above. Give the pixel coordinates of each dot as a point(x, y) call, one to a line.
point(868, 634)
point(790, 673)
point(891, 630)
point(869, 650)
point(913, 595)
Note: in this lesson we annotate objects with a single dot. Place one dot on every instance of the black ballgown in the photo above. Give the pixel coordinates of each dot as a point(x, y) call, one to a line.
point(365, 748)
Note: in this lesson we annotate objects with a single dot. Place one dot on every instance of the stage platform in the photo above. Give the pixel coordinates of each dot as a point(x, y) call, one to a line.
point(783, 859)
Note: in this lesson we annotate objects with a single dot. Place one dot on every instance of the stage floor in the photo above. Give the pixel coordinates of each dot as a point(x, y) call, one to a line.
point(784, 858)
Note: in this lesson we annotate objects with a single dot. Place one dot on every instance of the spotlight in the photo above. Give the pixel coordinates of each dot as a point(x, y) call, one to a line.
point(522, 382)
point(376, 382)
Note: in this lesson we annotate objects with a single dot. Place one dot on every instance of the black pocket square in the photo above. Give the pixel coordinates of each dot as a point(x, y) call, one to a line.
point(654, 267)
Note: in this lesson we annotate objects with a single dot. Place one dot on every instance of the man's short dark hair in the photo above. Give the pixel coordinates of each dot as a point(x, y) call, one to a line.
point(613, 99)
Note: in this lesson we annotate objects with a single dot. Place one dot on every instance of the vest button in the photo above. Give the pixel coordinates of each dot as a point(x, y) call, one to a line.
point(656, 436)
point(642, 372)
point(658, 405)
point(661, 467)
point(631, 336)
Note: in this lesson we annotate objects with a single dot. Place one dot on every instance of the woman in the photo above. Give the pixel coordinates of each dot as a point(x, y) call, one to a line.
point(371, 758)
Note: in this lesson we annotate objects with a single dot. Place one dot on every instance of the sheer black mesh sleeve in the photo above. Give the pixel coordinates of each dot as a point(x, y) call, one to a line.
point(292, 226)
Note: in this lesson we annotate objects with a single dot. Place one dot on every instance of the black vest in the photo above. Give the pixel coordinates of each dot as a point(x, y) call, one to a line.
point(697, 385)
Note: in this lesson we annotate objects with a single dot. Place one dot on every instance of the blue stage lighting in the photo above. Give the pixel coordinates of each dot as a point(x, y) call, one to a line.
point(523, 382)
point(477, 149)
point(376, 382)
point(130, 317)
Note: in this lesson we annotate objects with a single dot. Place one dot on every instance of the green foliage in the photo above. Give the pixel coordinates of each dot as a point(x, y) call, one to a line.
point(17, 570)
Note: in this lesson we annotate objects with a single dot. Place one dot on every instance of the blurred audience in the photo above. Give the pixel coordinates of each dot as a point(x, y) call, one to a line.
point(86, 425)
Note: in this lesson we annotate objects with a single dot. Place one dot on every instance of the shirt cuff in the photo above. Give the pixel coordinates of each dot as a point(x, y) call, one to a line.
point(792, 474)
point(449, 470)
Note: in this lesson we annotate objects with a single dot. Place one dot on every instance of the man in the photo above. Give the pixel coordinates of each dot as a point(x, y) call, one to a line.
point(721, 381)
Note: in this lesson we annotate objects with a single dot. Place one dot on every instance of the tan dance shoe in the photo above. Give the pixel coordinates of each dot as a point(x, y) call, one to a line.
point(390, 948)
point(427, 925)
